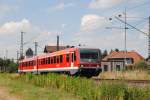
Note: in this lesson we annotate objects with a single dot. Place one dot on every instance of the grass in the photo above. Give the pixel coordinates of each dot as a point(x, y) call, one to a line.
point(62, 87)
point(126, 75)
point(27, 91)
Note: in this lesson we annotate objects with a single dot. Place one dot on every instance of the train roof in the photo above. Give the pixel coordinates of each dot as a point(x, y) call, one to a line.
point(68, 50)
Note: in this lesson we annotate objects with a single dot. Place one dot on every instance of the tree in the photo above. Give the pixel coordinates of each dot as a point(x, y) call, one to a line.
point(117, 50)
point(100, 54)
point(8, 65)
point(104, 54)
point(141, 65)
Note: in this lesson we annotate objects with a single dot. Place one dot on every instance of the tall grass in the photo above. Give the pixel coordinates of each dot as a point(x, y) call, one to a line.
point(126, 75)
point(86, 88)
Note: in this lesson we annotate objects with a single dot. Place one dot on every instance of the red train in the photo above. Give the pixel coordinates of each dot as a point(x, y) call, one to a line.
point(84, 61)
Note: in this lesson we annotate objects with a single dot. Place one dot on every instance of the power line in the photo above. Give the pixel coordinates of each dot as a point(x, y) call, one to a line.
point(145, 3)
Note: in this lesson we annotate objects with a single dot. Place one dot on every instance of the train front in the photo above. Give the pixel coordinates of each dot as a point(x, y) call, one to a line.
point(89, 62)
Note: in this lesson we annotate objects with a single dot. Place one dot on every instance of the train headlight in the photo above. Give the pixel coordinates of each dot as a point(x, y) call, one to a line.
point(82, 65)
point(97, 65)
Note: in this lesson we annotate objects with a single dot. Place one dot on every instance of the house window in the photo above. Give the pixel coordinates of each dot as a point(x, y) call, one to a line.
point(105, 67)
point(118, 67)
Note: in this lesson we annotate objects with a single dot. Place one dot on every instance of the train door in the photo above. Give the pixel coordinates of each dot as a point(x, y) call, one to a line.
point(73, 69)
point(73, 59)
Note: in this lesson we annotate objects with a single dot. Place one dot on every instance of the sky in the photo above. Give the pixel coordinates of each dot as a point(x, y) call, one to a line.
point(85, 22)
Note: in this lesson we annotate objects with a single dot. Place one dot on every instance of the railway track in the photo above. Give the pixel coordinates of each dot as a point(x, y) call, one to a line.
point(129, 82)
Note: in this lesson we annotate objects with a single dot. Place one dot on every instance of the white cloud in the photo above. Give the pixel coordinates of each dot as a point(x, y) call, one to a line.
point(14, 26)
point(98, 4)
point(92, 22)
point(60, 6)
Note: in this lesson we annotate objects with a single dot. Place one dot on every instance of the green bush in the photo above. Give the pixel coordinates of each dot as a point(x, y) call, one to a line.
point(141, 65)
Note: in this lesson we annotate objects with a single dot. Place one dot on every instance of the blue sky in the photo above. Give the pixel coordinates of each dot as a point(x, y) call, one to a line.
point(76, 21)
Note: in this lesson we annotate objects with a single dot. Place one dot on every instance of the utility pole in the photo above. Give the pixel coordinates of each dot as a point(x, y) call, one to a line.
point(57, 42)
point(36, 45)
point(17, 56)
point(21, 45)
point(149, 40)
point(6, 54)
point(125, 36)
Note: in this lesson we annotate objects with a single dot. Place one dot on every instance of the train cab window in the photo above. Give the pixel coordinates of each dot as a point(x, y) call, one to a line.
point(61, 58)
point(54, 59)
point(67, 57)
point(49, 60)
point(57, 59)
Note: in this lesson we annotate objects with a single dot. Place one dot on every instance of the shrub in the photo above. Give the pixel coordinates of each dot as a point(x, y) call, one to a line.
point(141, 65)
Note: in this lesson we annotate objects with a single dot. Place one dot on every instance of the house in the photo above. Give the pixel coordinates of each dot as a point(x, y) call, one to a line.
point(117, 61)
point(50, 49)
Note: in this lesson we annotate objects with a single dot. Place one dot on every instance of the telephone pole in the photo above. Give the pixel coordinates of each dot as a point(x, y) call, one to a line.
point(57, 42)
point(21, 45)
point(125, 36)
point(6, 54)
point(149, 40)
point(17, 57)
point(36, 45)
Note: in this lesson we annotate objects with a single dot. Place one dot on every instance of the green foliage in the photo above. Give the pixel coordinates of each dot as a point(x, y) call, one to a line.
point(86, 88)
point(141, 65)
point(113, 91)
point(8, 66)
point(52, 86)
point(134, 93)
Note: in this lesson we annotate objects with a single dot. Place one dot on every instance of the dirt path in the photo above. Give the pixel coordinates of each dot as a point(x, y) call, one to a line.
point(5, 95)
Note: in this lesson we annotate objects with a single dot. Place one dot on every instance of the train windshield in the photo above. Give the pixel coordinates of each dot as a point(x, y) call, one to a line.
point(87, 55)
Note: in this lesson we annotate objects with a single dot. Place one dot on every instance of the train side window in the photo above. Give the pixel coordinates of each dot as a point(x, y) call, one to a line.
point(34, 63)
point(49, 60)
point(54, 59)
point(67, 57)
point(29, 63)
point(22, 64)
point(61, 58)
point(57, 59)
point(41, 61)
point(75, 57)
point(26, 64)
point(44, 61)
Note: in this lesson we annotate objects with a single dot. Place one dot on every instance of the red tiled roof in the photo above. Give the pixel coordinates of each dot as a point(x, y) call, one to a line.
point(121, 54)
